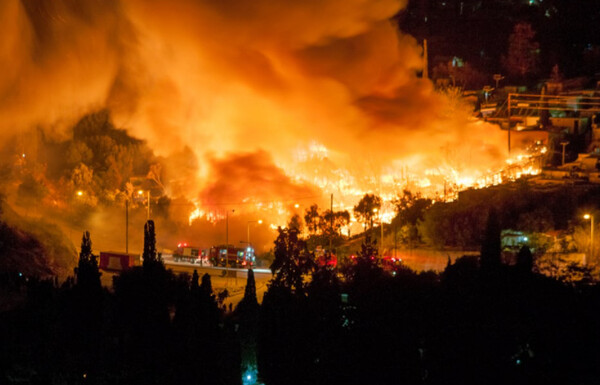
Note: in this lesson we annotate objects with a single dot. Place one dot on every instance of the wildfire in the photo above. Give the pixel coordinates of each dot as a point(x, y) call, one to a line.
point(443, 182)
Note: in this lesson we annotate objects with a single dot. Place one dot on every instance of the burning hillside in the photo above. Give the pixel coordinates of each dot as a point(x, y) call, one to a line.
point(253, 104)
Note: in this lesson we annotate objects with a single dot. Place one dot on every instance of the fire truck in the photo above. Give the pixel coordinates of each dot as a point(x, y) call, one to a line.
point(191, 254)
point(231, 256)
point(325, 258)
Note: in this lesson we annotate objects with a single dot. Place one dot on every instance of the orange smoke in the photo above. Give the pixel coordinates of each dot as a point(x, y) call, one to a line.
point(247, 87)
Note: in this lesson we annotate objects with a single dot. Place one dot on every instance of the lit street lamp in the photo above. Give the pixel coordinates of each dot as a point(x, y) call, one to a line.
point(140, 193)
point(248, 228)
point(591, 218)
point(376, 211)
point(563, 144)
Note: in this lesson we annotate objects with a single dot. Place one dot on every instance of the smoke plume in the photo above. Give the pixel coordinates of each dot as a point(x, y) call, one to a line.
point(244, 84)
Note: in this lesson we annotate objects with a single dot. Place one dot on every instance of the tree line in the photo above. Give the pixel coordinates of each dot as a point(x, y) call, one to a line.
point(479, 321)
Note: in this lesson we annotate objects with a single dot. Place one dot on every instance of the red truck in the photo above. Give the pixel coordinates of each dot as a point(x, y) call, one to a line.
point(118, 261)
point(240, 257)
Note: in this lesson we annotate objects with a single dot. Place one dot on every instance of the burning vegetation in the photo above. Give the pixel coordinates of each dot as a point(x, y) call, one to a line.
point(201, 109)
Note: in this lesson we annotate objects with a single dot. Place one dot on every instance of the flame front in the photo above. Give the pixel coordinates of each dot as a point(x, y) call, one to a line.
point(251, 104)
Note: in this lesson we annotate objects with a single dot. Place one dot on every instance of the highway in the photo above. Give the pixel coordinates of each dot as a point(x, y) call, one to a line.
point(234, 280)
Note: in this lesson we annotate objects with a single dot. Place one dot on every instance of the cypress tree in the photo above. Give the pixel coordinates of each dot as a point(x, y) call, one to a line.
point(491, 249)
point(195, 278)
point(524, 260)
point(150, 255)
point(250, 291)
point(87, 272)
point(206, 285)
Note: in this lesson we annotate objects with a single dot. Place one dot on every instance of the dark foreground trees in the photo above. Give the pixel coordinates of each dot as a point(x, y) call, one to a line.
point(479, 322)
point(470, 325)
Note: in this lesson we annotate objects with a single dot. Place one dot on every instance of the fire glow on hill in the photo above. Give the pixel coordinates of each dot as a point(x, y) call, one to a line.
point(280, 101)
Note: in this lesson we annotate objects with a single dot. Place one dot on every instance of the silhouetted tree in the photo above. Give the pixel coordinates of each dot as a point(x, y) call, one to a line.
point(334, 221)
point(524, 260)
point(522, 56)
point(365, 209)
point(197, 335)
point(194, 284)
point(296, 223)
point(206, 286)
point(368, 258)
point(292, 260)
point(87, 272)
point(247, 313)
point(410, 210)
point(150, 255)
point(491, 251)
point(249, 299)
point(313, 219)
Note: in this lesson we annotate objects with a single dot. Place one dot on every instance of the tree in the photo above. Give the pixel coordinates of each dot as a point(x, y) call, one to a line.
point(410, 210)
point(150, 255)
point(88, 275)
point(540, 220)
point(292, 261)
point(365, 209)
point(312, 218)
point(206, 286)
point(524, 260)
point(491, 246)
point(368, 253)
point(249, 299)
point(334, 221)
point(296, 223)
point(366, 269)
point(194, 284)
point(248, 314)
point(522, 56)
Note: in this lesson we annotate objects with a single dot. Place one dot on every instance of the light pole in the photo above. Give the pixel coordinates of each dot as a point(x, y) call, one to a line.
point(377, 211)
point(563, 144)
point(248, 230)
point(140, 193)
point(127, 225)
point(227, 245)
point(591, 218)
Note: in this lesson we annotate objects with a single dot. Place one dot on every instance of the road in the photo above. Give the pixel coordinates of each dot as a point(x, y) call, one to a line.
point(234, 280)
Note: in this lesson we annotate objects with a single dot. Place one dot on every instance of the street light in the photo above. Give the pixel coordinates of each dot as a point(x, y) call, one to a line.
point(591, 218)
point(140, 193)
point(563, 144)
point(227, 245)
point(248, 228)
point(376, 210)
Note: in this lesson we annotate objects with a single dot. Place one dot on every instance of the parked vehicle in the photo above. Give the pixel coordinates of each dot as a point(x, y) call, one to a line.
point(192, 254)
point(118, 261)
point(231, 256)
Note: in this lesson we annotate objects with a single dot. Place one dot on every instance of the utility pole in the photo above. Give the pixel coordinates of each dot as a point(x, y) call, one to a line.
point(127, 226)
point(563, 144)
point(331, 224)
point(425, 60)
point(148, 208)
point(497, 78)
point(227, 245)
point(509, 101)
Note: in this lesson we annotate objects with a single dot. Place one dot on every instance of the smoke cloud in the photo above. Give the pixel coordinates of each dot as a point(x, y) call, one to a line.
point(244, 85)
